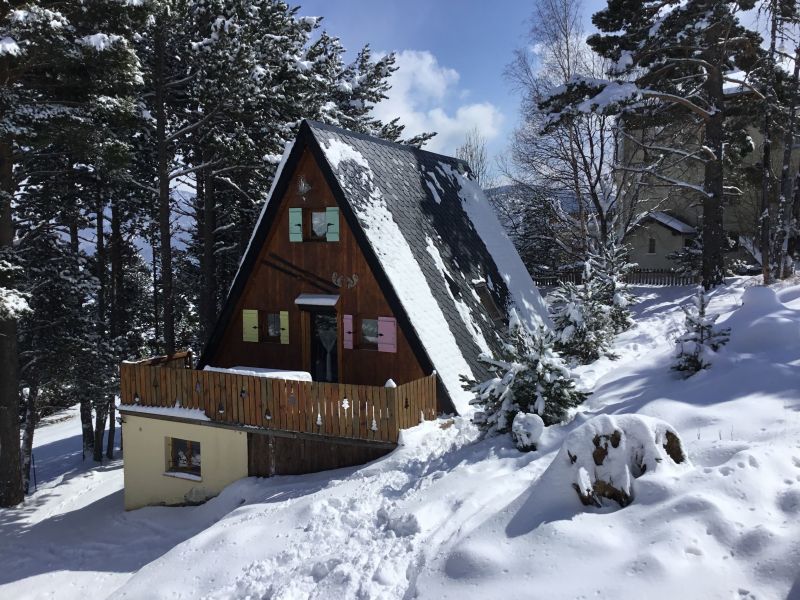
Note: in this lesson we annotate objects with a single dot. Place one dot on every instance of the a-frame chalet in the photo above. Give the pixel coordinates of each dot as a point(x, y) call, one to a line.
point(375, 277)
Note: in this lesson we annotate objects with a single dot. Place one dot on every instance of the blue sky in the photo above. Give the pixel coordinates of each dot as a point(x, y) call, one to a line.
point(451, 54)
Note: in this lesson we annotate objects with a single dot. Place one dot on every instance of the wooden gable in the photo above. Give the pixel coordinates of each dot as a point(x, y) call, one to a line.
point(310, 249)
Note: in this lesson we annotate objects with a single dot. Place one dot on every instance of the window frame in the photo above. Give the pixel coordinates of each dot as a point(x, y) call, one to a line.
point(173, 468)
point(308, 224)
point(651, 245)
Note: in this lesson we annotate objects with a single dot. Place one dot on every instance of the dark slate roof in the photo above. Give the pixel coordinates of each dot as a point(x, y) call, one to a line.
point(423, 193)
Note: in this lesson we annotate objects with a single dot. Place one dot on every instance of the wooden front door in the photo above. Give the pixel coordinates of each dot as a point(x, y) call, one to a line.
point(324, 346)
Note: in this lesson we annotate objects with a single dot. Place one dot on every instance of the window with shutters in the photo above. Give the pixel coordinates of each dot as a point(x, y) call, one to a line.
point(183, 458)
point(314, 224)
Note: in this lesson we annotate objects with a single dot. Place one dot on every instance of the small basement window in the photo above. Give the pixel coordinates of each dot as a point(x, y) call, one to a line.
point(369, 334)
point(488, 302)
point(183, 458)
point(651, 245)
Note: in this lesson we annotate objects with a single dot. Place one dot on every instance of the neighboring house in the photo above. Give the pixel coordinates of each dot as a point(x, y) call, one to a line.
point(375, 277)
point(655, 236)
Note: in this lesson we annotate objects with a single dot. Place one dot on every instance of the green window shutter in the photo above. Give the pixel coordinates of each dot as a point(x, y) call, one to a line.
point(295, 224)
point(284, 327)
point(249, 325)
point(332, 215)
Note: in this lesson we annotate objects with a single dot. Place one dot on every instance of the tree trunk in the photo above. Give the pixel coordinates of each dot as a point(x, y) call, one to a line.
point(99, 429)
point(766, 158)
point(117, 281)
point(713, 183)
point(208, 296)
point(100, 259)
point(784, 236)
point(31, 419)
point(164, 212)
point(87, 430)
point(11, 492)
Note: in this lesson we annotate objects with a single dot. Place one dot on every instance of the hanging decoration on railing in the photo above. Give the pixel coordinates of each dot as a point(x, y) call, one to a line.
point(197, 387)
point(136, 398)
point(243, 393)
point(345, 403)
point(319, 417)
point(340, 280)
point(267, 414)
point(221, 408)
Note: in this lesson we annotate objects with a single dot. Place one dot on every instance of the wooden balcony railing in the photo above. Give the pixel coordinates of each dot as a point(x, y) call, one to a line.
point(335, 409)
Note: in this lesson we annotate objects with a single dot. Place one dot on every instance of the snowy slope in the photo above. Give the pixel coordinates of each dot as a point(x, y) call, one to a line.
point(447, 517)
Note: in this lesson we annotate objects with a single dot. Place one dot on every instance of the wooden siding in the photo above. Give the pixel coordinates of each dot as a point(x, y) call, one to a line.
point(352, 411)
point(286, 269)
point(269, 455)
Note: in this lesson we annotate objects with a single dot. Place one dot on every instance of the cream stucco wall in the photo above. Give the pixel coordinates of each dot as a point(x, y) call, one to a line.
point(666, 242)
point(223, 452)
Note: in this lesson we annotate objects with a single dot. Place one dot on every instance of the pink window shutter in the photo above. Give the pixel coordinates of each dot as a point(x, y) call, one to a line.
point(387, 334)
point(348, 331)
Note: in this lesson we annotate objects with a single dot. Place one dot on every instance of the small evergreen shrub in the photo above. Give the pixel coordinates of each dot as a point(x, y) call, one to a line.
point(529, 378)
point(609, 266)
point(581, 320)
point(697, 345)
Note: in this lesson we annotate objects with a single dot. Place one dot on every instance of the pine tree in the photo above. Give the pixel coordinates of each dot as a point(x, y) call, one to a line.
point(609, 265)
point(668, 63)
point(582, 322)
point(529, 378)
point(61, 62)
point(695, 348)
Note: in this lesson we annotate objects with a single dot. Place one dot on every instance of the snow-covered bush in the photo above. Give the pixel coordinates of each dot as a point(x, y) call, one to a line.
point(530, 378)
point(582, 321)
point(697, 345)
point(602, 457)
point(526, 429)
point(609, 265)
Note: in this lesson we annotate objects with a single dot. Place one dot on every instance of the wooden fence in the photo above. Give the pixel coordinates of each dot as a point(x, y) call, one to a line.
point(334, 409)
point(662, 277)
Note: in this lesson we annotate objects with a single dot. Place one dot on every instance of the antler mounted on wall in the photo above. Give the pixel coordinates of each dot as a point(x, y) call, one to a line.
point(339, 280)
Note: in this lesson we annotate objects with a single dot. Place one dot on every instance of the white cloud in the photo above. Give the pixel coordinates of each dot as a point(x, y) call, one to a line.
point(426, 97)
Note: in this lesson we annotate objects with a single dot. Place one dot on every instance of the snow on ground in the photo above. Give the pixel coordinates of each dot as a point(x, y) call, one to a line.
point(445, 516)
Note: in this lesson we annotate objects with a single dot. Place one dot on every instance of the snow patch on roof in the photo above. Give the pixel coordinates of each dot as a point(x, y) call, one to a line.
point(461, 306)
point(405, 276)
point(524, 295)
point(672, 222)
point(338, 152)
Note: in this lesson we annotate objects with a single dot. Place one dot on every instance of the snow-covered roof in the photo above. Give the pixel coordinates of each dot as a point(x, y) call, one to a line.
point(674, 223)
point(434, 232)
point(317, 299)
point(429, 232)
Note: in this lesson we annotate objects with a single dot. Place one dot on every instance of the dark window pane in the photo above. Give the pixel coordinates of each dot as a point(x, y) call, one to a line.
point(369, 333)
point(274, 325)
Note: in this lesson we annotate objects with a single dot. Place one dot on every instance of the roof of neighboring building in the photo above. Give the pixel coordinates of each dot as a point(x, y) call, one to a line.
point(671, 222)
point(430, 236)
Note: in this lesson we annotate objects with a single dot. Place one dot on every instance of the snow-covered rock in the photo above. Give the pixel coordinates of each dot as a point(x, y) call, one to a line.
point(601, 458)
